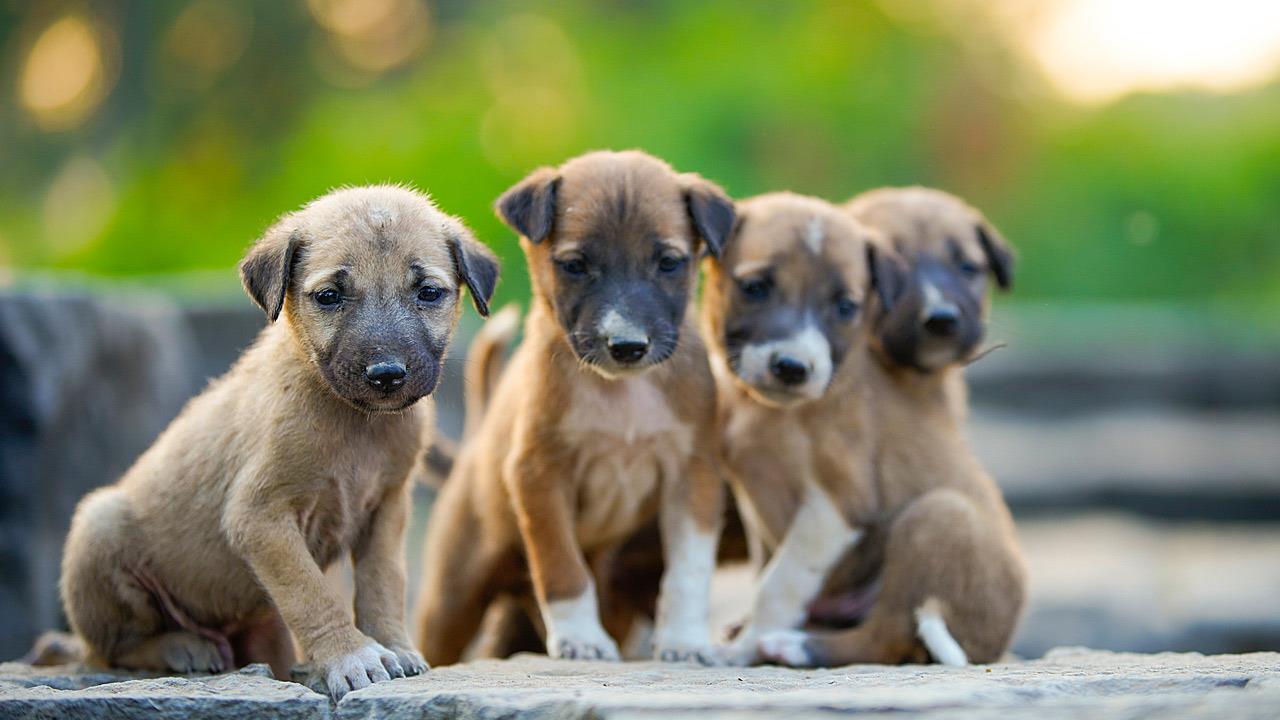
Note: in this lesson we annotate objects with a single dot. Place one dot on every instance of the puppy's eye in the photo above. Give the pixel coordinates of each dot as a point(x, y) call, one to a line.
point(755, 289)
point(429, 294)
point(969, 269)
point(846, 307)
point(573, 266)
point(328, 297)
point(671, 263)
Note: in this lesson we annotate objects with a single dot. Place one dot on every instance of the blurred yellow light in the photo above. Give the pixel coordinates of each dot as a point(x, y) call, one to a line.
point(1098, 50)
point(206, 39)
point(63, 78)
point(373, 36)
point(77, 206)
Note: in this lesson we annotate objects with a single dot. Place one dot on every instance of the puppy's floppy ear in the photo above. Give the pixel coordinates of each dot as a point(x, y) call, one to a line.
point(474, 263)
point(267, 269)
point(888, 275)
point(998, 252)
point(711, 210)
point(529, 206)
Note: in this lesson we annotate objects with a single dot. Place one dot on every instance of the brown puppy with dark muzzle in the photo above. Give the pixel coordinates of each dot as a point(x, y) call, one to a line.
point(950, 583)
point(211, 549)
point(602, 419)
point(783, 313)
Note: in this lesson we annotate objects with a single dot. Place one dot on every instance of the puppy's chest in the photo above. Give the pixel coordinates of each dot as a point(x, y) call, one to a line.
point(623, 442)
point(346, 494)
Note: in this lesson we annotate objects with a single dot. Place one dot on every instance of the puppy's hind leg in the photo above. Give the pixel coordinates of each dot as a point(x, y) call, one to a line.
point(458, 584)
point(951, 592)
point(121, 620)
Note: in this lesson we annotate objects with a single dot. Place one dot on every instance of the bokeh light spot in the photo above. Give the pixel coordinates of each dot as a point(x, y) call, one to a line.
point(66, 74)
point(77, 206)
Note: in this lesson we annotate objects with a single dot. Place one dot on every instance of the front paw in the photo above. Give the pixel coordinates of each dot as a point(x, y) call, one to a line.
point(594, 647)
point(340, 674)
point(785, 647)
point(410, 660)
point(686, 647)
point(742, 651)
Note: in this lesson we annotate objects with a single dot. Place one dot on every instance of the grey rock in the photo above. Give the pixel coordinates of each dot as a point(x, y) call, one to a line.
point(249, 693)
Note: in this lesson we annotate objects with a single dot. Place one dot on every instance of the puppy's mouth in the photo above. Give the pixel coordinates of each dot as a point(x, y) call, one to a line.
point(596, 356)
point(352, 389)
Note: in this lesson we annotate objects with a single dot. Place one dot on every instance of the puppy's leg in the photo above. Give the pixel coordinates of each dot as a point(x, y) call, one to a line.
point(952, 589)
point(263, 528)
point(266, 640)
point(816, 539)
point(458, 574)
point(120, 619)
point(378, 559)
point(562, 583)
point(691, 515)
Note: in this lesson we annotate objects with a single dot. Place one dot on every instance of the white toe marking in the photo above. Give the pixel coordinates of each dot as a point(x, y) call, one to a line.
point(577, 621)
point(785, 646)
point(932, 631)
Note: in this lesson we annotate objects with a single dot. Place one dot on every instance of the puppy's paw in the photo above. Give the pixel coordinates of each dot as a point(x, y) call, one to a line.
point(184, 652)
point(742, 651)
point(785, 647)
point(410, 660)
point(595, 647)
point(686, 647)
point(359, 669)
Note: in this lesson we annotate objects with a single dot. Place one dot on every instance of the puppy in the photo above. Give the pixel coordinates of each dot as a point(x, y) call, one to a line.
point(601, 421)
point(951, 579)
point(783, 314)
point(212, 547)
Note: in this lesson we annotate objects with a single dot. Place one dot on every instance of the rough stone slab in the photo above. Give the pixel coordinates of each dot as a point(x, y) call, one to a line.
point(1067, 682)
point(250, 693)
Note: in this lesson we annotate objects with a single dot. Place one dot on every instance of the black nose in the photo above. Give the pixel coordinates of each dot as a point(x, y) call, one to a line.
point(942, 322)
point(789, 370)
point(385, 376)
point(628, 351)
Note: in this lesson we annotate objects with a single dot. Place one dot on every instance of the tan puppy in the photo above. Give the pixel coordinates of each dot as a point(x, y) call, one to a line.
point(950, 579)
point(601, 421)
point(784, 320)
point(212, 547)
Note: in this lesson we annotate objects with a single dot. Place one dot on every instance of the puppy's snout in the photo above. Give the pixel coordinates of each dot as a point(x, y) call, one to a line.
point(628, 350)
point(789, 370)
point(386, 376)
point(942, 321)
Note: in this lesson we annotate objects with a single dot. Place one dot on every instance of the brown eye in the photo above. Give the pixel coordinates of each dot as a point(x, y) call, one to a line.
point(846, 307)
point(328, 297)
point(573, 266)
point(670, 263)
point(969, 269)
point(429, 294)
point(755, 289)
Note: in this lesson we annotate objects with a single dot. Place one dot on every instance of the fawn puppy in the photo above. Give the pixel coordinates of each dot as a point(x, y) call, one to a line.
point(602, 420)
point(948, 580)
point(211, 549)
point(784, 316)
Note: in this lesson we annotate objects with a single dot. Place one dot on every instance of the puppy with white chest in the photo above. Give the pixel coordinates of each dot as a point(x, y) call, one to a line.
point(948, 581)
point(211, 550)
point(601, 421)
point(783, 313)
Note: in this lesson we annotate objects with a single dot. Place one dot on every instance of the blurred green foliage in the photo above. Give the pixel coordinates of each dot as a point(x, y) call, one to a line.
point(1169, 197)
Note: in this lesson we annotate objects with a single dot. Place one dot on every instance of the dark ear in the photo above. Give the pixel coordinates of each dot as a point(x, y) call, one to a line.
point(266, 270)
point(475, 265)
point(998, 253)
point(711, 211)
point(529, 207)
point(888, 275)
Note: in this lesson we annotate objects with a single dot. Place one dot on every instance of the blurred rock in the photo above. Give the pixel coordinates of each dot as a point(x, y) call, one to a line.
point(86, 384)
point(1070, 682)
point(1120, 583)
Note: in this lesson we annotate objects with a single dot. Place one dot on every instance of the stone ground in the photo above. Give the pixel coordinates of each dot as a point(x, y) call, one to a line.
point(1068, 682)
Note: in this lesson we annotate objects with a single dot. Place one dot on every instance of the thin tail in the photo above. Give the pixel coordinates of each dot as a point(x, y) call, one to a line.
point(486, 359)
point(56, 648)
point(932, 630)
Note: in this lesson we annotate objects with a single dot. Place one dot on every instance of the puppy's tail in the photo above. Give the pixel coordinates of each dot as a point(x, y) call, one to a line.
point(932, 630)
point(485, 361)
point(56, 648)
